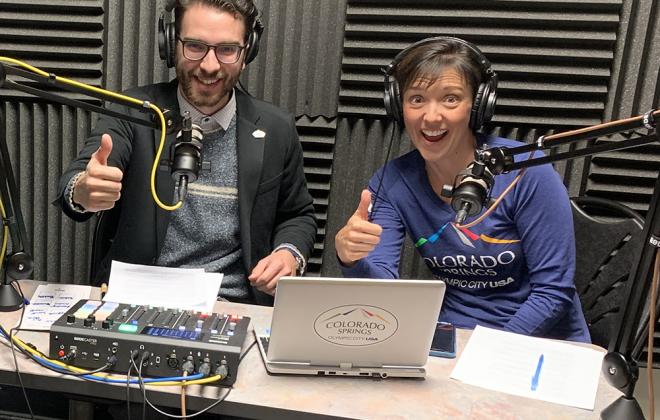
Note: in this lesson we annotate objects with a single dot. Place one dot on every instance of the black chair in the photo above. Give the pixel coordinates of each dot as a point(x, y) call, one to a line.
point(605, 252)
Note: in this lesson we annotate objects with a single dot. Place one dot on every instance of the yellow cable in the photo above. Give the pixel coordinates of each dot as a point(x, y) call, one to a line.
point(24, 346)
point(125, 98)
point(101, 375)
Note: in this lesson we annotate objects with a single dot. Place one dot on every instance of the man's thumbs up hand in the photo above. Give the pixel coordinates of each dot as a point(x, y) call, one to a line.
point(99, 187)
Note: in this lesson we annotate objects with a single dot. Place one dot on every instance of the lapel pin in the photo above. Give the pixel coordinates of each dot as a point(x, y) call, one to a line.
point(258, 134)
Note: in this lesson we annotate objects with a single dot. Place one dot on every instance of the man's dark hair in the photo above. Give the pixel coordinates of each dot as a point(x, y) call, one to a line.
point(244, 8)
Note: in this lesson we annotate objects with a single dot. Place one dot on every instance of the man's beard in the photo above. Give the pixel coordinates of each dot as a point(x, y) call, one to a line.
point(205, 99)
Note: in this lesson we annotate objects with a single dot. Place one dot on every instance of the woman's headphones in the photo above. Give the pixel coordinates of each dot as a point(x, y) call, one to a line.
point(483, 104)
point(167, 36)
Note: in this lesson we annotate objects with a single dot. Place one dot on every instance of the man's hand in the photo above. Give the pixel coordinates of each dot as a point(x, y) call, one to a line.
point(359, 237)
point(268, 271)
point(99, 187)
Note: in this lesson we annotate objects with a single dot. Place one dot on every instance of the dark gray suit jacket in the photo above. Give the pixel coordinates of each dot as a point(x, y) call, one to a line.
point(274, 204)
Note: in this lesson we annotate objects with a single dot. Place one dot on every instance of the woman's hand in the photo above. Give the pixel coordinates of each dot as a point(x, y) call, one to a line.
point(359, 237)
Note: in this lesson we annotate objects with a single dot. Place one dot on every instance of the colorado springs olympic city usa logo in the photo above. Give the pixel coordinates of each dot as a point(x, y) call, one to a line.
point(356, 325)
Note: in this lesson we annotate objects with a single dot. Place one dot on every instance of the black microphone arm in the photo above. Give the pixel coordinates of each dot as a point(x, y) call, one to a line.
point(471, 189)
point(17, 263)
point(619, 365)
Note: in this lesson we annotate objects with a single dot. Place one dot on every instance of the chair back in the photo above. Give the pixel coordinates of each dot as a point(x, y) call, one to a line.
point(605, 252)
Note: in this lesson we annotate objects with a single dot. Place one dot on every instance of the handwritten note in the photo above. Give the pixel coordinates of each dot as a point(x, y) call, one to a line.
point(51, 301)
point(548, 370)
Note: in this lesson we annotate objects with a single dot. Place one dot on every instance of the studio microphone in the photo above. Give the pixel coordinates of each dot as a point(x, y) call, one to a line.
point(186, 155)
point(470, 194)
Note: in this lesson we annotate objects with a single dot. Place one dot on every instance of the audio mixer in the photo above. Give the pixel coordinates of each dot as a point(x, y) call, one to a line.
point(93, 332)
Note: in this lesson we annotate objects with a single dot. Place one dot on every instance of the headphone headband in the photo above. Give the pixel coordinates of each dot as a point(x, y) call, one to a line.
point(481, 58)
point(167, 35)
point(484, 101)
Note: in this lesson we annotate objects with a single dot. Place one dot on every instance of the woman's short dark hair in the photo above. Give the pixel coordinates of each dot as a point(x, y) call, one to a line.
point(428, 60)
point(245, 8)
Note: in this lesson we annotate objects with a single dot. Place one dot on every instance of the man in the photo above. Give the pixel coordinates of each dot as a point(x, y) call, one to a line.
point(250, 216)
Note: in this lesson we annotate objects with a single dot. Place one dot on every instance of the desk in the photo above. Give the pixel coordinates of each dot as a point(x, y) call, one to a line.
point(259, 395)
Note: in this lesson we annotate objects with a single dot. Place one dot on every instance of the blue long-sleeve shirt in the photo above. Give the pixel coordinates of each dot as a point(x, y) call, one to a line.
point(513, 271)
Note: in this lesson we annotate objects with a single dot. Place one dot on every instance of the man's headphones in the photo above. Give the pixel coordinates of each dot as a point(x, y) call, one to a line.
point(167, 36)
point(483, 104)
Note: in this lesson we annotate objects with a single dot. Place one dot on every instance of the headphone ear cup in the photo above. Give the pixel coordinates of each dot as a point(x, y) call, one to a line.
point(489, 101)
point(252, 47)
point(162, 41)
point(477, 111)
point(166, 41)
point(392, 100)
point(170, 36)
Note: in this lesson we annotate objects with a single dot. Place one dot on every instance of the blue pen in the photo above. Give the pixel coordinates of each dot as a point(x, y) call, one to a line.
point(535, 378)
point(26, 301)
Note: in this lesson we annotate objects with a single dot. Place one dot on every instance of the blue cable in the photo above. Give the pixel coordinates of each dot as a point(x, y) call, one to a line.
point(60, 369)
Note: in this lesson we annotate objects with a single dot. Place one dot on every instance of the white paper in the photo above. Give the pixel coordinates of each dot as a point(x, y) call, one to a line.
point(508, 362)
point(181, 288)
point(51, 301)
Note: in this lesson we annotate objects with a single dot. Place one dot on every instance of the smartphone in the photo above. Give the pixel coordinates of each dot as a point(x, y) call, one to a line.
point(444, 340)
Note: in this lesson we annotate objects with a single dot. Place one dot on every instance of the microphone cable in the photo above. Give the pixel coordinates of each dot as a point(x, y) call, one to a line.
point(372, 213)
point(63, 368)
point(10, 336)
point(184, 383)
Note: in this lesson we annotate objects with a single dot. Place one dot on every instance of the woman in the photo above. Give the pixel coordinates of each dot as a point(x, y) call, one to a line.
point(513, 270)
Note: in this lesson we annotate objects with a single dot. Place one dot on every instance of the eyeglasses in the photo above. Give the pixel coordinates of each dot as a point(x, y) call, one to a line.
point(197, 50)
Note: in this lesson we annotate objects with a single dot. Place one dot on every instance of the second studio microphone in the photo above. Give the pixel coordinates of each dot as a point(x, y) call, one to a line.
point(471, 193)
point(186, 155)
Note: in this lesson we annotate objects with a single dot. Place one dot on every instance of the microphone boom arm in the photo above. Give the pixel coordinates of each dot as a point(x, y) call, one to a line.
point(19, 263)
point(52, 80)
point(619, 365)
point(500, 159)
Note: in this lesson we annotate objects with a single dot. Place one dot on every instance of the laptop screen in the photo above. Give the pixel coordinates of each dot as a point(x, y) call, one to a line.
point(354, 322)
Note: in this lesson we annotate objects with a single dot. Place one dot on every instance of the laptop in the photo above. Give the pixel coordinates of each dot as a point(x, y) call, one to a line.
point(351, 327)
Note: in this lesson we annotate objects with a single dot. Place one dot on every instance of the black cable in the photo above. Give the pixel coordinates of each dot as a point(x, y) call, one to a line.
point(221, 399)
point(143, 359)
point(13, 350)
point(380, 183)
point(128, 385)
point(99, 370)
point(240, 359)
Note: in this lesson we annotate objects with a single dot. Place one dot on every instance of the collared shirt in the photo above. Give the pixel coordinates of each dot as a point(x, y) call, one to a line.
point(221, 118)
